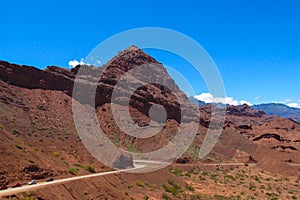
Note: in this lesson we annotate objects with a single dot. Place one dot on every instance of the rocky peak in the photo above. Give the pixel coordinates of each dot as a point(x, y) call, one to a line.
point(55, 78)
point(244, 110)
point(130, 58)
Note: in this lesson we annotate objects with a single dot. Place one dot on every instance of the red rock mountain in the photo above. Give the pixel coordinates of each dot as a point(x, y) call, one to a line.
point(39, 139)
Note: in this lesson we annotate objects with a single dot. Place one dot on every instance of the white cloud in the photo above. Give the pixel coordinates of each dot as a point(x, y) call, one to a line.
point(245, 102)
point(74, 63)
point(209, 98)
point(294, 105)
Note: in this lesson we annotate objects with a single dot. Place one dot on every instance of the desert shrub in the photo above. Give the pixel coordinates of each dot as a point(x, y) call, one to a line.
point(213, 176)
point(146, 197)
point(139, 183)
point(29, 198)
point(188, 174)
point(196, 197)
point(271, 194)
point(252, 186)
point(257, 179)
point(230, 177)
point(291, 191)
point(174, 188)
point(189, 187)
point(55, 153)
point(73, 170)
point(90, 169)
point(166, 188)
point(204, 173)
point(177, 172)
point(220, 197)
point(165, 196)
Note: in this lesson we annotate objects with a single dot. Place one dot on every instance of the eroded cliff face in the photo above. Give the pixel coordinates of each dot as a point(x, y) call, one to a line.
point(45, 96)
point(156, 85)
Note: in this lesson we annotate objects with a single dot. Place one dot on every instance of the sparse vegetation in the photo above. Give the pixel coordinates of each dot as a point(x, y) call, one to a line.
point(230, 177)
point(29, 197)
point(16, 132)
point(165, 196)
point(55, 153)
point(19, 146)
point(195, 197)
point(257, 186)
point(189, 187)
point(173, 188)
point(90, 169)
point(202, 178)
point(177, 172)
point(140, 183)
point(73, 170)
point(252, 186)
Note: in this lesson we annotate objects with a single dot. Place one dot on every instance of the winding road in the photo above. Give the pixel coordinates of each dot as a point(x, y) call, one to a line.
point(26, 188)
point(138, 165)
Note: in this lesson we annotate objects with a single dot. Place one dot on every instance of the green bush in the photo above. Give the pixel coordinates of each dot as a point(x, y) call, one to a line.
point(230, 177)
point(90, 169)
point(177, 172)
point(139, 183)
point(165, 196)
point(73, 170)
point(29, 198)
point(55, 153)
point(202, 178)
point(189, 187)
point(174, 188)
point(252, 186)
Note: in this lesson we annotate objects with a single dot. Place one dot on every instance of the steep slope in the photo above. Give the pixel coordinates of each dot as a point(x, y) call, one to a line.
point(38, 137)
point(36, 108)
point(40, 140)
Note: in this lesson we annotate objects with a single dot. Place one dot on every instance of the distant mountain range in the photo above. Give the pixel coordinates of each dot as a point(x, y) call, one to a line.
point(271, 109)
point(279, 109)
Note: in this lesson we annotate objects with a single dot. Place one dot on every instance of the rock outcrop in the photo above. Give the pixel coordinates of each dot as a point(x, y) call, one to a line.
point(54, 78)
point(244, 110)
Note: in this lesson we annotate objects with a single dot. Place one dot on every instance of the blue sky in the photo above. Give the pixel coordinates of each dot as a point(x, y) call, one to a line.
point(255, 44)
